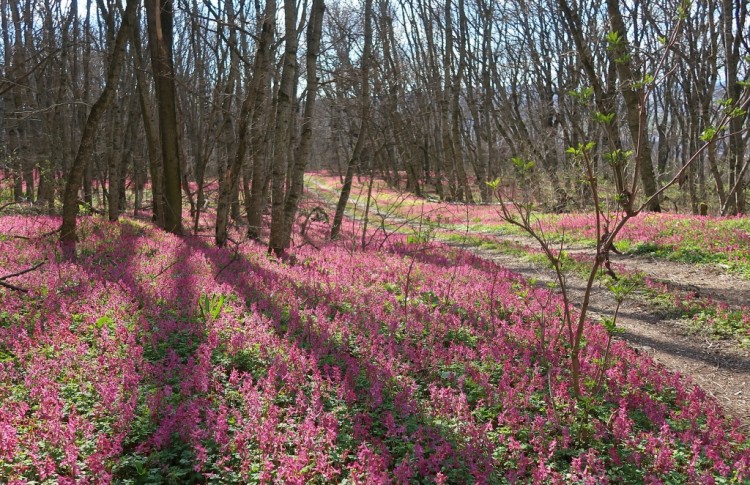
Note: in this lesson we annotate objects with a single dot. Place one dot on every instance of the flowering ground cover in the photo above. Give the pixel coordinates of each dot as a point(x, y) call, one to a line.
point(714, 319)
point(154, 358)
point(678, 237)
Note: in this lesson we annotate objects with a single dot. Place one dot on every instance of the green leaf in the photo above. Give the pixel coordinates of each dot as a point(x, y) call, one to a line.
point(494, 184)
point(105, 320)
point(708, 134)
point(614, 38)
point(604, 118)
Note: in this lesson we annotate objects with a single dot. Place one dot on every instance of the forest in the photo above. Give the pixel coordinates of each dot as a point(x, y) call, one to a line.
point(384, 241)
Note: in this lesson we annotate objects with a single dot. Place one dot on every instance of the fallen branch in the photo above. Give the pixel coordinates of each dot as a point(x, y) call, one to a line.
point(13, 287)
point(2, 207)
point(19, 273)
point(27, 270)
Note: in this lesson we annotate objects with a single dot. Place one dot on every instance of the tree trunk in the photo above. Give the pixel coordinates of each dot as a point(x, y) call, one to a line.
point(70, 197)
point(160, 16)
point(152, 137)
point(363, 125)
point(284, 115)
point(634, 99)
point(302, 154)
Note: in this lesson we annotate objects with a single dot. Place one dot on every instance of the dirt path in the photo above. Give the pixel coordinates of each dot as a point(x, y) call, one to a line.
point(721, 368)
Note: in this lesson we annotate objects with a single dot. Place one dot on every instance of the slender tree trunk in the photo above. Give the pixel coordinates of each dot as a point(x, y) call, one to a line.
point(636, 113)
point(363, 126)
point(114, 165)
point(152, 137)
point(261, 73)
point(256, 202)
point(302, 154)
point(735, 154)
point(70, 197)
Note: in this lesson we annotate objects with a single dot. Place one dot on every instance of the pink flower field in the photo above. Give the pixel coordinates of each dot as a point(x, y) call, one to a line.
point(680, 237)
point(159, 359)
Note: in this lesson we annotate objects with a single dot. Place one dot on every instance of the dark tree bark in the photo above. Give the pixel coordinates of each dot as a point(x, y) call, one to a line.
point(160, 16)
point(260, 73)
point(634, 104)
point(150, 131)
point(258, 187)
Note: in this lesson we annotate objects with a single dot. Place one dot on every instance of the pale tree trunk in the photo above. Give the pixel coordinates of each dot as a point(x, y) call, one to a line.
point(160, 16)
point(260, 74)
point(263, 118)
point(487, 104)
point(70, 197)
point(302, 154)
point(230, 167)
point(731, 16)
point(256, 203)
point(458, 158)
point(284, 113)
point(363, 125)
point(447, 147)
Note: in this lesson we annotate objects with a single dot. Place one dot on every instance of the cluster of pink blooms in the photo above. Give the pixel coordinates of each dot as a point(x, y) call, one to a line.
point(375, 366)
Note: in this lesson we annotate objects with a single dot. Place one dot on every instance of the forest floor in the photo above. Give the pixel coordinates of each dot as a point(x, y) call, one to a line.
point(720, 367)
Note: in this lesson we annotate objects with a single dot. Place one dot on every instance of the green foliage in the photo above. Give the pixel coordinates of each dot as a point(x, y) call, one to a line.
point(647, 79)
point(172, 464)
point(523, 166)
point(708, 134)
point(618, 157)
point(683, 10)
point(614, 39)
point(419, 238)
point(623, 287)
point(461, 335)
point(583, 94)
point(210, 306)
point(105, 321)
point(604, 119)
point(610, 325)
point(252, 360)
point(581, 149)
